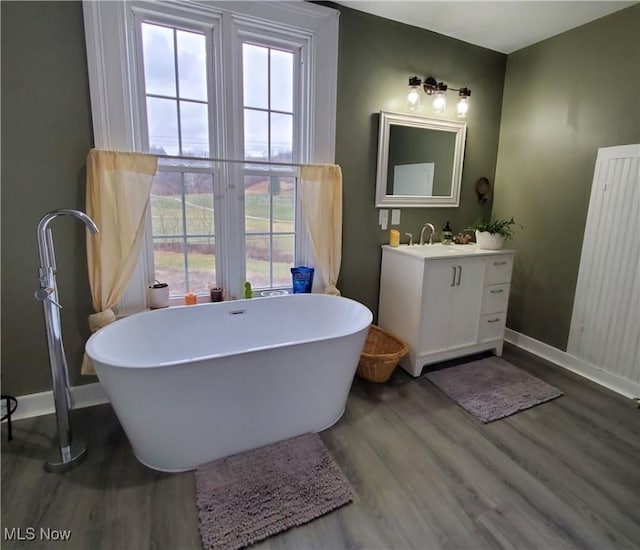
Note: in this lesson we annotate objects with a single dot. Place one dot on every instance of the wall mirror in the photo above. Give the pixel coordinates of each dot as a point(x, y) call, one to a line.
point(419, 161)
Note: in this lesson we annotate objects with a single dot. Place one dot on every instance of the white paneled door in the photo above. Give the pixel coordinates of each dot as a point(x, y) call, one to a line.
point(605, 326)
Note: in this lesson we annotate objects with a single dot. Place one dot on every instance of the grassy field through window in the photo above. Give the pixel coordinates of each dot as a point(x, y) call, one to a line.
point(188, 238)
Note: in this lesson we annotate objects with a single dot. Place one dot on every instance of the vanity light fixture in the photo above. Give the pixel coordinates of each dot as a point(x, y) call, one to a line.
point(413, 97)
point(463, 102)
point(439, 92)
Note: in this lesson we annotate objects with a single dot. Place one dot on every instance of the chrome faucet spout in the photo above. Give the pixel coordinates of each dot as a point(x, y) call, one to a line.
point(45, 245)
point(433, 230)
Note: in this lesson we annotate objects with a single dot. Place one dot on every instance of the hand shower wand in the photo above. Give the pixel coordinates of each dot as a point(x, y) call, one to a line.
point(69, 453)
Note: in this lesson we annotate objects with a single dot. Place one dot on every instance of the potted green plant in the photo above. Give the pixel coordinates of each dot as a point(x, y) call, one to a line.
point(490, 235)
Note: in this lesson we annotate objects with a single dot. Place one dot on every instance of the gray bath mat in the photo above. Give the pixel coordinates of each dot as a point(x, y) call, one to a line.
point(250, 496)
point(492, 388)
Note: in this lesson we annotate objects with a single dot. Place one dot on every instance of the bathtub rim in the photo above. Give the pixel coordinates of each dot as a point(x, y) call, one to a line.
point(100, 359)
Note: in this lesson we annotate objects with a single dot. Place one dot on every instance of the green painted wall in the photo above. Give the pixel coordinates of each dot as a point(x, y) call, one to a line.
point(376, 58)
point(46, 134)
point(563, 99)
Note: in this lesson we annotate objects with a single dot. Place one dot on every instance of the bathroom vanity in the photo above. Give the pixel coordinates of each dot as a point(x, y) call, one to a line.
point(444, 301)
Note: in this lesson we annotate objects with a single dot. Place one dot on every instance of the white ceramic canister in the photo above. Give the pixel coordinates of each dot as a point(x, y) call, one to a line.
point(158, 295)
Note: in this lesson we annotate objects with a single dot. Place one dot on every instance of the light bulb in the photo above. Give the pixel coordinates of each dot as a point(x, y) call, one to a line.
point(463, 106)
point(439, 102)
point(413, 98)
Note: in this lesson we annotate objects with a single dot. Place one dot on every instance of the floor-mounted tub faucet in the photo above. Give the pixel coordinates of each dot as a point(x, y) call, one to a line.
point(433, 230)
point(69, 453)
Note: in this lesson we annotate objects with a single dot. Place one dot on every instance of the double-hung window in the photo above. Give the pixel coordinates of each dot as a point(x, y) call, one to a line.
point(231, 96)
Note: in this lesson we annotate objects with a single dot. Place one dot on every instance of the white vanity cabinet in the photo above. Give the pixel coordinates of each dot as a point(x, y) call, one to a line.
point(444, 301)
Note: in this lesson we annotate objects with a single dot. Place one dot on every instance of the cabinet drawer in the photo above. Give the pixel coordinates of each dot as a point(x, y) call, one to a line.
point(498, 270)
point(495, 298)
point(492, 326)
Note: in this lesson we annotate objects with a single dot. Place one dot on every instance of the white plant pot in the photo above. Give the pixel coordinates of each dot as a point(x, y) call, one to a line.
point(489, 241)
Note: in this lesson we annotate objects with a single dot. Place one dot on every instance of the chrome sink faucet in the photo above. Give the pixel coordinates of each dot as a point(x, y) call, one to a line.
point(433, 230)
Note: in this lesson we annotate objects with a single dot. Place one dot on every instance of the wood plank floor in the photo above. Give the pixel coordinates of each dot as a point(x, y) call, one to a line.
point(427, 475)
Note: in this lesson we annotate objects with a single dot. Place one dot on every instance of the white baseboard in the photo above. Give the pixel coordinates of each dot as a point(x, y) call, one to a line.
point(37, 404)
point(561, 358)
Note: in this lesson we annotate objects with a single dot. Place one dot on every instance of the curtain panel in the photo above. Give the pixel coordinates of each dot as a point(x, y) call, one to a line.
point(118, 191)
point(321, 198)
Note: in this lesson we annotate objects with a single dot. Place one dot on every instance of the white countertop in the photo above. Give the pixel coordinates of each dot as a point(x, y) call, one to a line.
point(435, 251)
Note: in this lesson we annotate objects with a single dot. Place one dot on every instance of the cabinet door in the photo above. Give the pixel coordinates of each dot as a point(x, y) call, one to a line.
point(440, 277)
point(466, 302)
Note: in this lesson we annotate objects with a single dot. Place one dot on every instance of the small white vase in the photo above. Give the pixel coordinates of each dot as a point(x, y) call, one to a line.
point(489, 241)
point(158, 296)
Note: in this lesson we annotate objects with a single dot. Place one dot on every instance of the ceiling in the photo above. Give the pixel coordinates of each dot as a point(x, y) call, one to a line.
point(504, 26)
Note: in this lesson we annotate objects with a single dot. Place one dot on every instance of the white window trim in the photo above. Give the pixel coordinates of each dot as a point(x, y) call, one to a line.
point(109, 34)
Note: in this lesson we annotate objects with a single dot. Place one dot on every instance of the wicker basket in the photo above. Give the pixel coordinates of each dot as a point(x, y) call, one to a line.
point(380, 355)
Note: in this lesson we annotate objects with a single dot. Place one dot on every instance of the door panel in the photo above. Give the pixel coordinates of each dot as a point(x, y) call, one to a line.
point(466, 303)
point(439, 282)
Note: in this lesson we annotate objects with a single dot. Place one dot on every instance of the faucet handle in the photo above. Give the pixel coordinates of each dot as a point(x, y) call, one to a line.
point(410, 238)
point(44, 294)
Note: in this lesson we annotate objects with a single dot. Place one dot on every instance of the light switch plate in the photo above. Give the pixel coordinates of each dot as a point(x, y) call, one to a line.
point(395, 216)
point(384, 218)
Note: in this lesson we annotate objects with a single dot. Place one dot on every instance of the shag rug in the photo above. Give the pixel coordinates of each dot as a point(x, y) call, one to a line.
point(250, 496)
point(492, 388)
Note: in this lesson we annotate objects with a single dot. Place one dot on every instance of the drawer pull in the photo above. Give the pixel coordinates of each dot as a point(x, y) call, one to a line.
point(453, 281)
point(497, 291)
point(492, 320)
point(499, 263)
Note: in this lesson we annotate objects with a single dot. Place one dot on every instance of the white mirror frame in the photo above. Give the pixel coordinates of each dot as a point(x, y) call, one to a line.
point(387, 119)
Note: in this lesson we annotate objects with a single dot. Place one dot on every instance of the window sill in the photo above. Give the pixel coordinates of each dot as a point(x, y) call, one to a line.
point(206, 299)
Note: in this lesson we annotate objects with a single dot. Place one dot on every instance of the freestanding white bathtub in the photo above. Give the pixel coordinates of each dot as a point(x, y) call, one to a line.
point(191, 384)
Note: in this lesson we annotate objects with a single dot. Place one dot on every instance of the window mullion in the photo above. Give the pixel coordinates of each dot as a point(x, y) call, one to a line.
point(160, 96)
point(269, 148)
point(185, 244)
point(175, 72)
point(232, 188)
point(271, 186)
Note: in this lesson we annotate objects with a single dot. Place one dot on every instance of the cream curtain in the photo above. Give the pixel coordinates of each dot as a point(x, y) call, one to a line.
point(118, 190)
point(321, 198)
